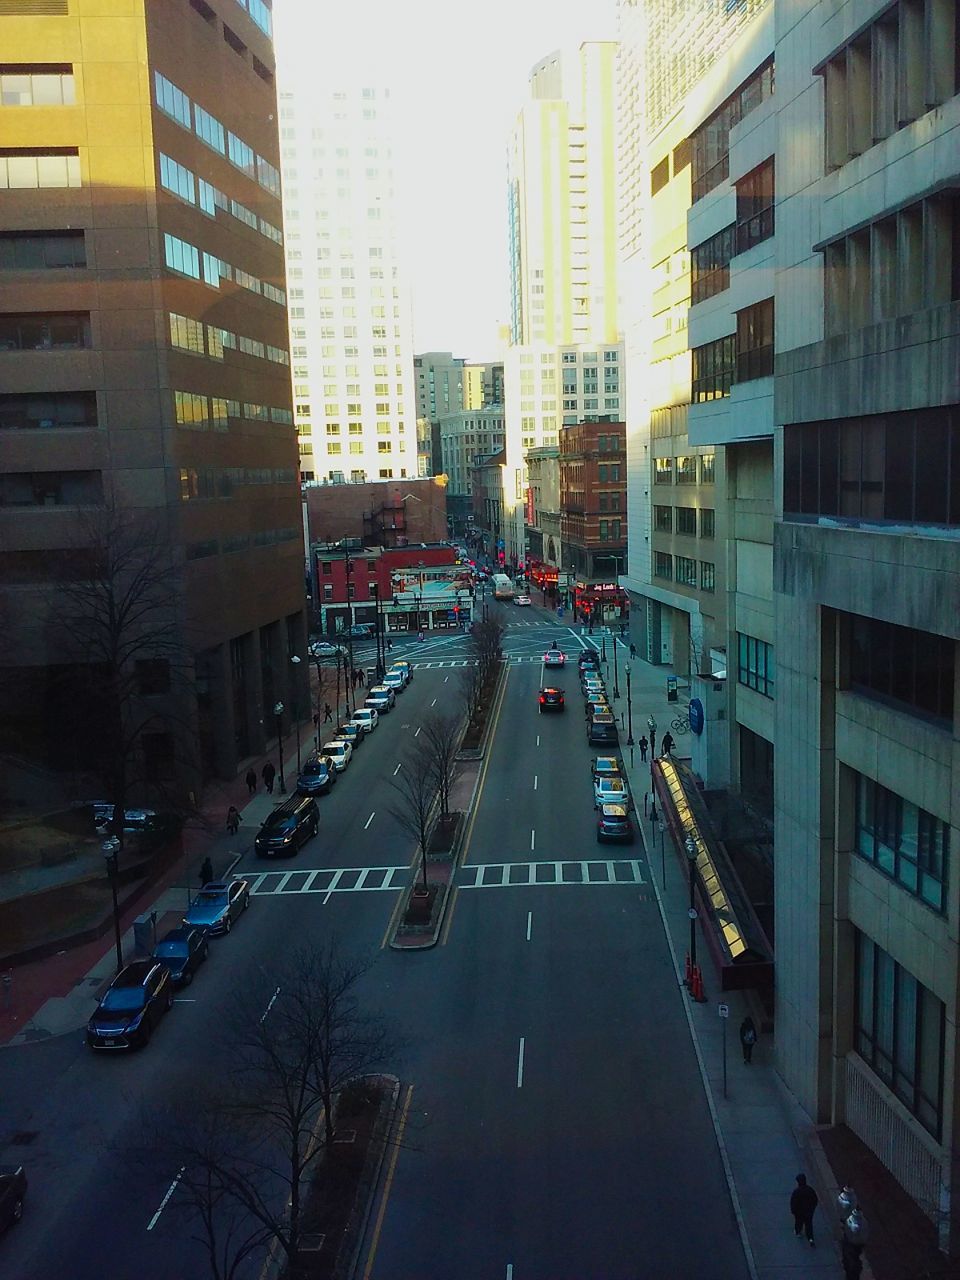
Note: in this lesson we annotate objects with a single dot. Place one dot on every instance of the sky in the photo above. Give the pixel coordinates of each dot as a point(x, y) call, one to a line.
point(457, 74)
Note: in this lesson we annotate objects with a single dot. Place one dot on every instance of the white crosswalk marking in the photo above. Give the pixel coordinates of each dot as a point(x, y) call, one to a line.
point(507, 875)
point(327, 880)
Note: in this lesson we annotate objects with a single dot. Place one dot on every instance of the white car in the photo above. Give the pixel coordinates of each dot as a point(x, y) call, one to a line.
point(380, 700)
point(522, 600)
point(323, 649)
point(396, 681)
point(367, 717)
point(339, 752)
point(610, 790)
point(554, 658)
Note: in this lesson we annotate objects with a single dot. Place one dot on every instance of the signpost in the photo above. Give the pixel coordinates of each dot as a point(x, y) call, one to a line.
point(724, 1012)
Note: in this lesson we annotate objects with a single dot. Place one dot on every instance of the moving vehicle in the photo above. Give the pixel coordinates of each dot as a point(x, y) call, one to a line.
point(290, 826)
point(502, 587)
point(614, 825)
point(367, 717)
point(131, 1007)
point(317, 776)
point(602, 729)
point(182, 951)
point(13, 1189)
point(551, 700)
point(340, 752)
point(554, 657)
point(522, 600)
point(362, 631)
point(218, 904)
point(612, 790)
point(324, 649)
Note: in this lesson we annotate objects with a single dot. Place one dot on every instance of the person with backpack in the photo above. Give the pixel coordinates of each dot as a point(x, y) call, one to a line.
point(748, 1038)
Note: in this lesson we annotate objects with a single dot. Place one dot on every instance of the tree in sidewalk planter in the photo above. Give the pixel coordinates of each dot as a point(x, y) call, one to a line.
point(470, 680)
point(416, 792)
point(440, 735)
point(250, 1142)
point(487, 644)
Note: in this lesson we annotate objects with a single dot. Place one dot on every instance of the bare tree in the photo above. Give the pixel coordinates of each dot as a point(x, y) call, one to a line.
point(441, 734)
point(470, 680)
point(416, 790)
point(247, 1144)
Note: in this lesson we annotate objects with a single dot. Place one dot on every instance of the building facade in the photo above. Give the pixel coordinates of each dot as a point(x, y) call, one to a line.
point(544, 534)
point(350, 320)
point(593, 526)
point(463, 435)
point(382, 512)
point(145, 360)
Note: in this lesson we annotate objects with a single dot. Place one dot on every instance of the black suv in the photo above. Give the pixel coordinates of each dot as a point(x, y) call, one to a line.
point(13, 1187)
point(131, 1006)
point(290, 825)
point(551, 700)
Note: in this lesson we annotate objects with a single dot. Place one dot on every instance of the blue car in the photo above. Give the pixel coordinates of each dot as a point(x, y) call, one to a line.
point(218, 905)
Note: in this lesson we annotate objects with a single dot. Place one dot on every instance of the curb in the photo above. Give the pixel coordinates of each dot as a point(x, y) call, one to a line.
point(384, 1125)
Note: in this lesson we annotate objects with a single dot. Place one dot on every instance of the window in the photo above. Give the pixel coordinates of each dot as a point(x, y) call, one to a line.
point(241, 155)
point(190, 410)
point(663, 519)
point(663, 471)
point(707, 468)
point(710, 265)
point(23, 170)
point(755, 664)
point(181, 256)
point(171, 100)
point(755, 341)
point(686, 571)
point(899, 1032)
point(51, 489)
point(687, 469)
point(903, 840)
point(185, 333)
point(711, 142)
point(708, 576)
point(662, 565)
point(708, 523)
point(755, 201)
point(39, 332)
point(687, 521)
point(911, 669)
point(33, 410)
point(32, 250)
point(209, 129)
point(713, 368)
point(174, 177)
point(37, 86)
point(659, 175)
point(609, 530)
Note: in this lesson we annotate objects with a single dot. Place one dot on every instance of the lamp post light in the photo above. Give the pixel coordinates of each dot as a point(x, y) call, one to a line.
point(626, 667)
point(295, 663)
point(110, 850)
point(616, 681)
point(278, 712)
point(691, 847)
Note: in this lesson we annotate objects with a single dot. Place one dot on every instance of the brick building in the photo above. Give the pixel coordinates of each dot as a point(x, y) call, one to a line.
point(593, 512)
point(384, 513)
point(421, 587)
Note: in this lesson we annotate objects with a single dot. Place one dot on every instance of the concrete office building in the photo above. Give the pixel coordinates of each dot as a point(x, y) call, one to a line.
point(438, 382)
point(866, 573)
point(463, 435)
point(143, 345)
point(350, 320)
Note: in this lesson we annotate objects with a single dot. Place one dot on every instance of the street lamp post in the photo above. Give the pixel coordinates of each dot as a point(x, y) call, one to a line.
point(110, 849)
point(629, 708)
point(319, 696)
point(691, 847)
point(616, 681)
point(652, 726)
point(295, 662)
point(278, 712)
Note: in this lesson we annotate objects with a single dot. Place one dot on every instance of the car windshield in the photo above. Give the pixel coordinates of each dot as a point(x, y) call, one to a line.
point(123, 1000)
point(170, 950)
point(314, 768)
point(211, 897)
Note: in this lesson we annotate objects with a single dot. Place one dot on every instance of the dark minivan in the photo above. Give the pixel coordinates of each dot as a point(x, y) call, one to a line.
point(290, 825)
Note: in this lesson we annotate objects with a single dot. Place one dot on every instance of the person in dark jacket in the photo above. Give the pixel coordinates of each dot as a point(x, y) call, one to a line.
point(668, 744)
point(206, 872)
point(748, 1038)
point(251, 781)
point(268, 773)
point(642, 744)
point(233, 820)
point(803, 1205)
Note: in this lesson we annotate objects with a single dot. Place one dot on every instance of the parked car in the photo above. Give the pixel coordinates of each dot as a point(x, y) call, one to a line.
point(595, 706)
point(317, 776)
point(362, 631)
point(605, 767)
point(592, 684)
point(130, 1008)
point(551, 700)
point(351, 732)
point(602, 730)
point(589, 658)
point(611, 790)
point(13, 1190)
point(367, 717)
point(380, 699)
point(395, 680)
point(403, 665)
point(218, 905)
point(182, 951)
point(614, 825)
point(340, 752)
point(290, 825)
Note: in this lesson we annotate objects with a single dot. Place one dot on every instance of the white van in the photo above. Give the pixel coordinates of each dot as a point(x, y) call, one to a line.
point(502, 587)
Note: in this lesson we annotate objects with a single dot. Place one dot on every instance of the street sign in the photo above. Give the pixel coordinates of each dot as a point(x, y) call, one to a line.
point(723, 1010)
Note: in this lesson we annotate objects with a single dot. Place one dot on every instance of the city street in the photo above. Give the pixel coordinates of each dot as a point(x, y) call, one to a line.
point(556, 1127)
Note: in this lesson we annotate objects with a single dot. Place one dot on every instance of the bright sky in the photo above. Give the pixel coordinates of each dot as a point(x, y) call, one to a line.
point(457, 75)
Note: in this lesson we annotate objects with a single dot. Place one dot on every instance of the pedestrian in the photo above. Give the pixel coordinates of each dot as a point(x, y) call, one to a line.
point(668, 744)
point(623, 630)
point(803, 1205)
point(363, 678)
point(642, 744)
point(850, 1258)
point(327, 712)
point(233, 820)
point(268, 773)
point(748, 1038)
point(251, 781)
point(420, 635)
point(389, 643)
point(206, 872)
point(633, 650)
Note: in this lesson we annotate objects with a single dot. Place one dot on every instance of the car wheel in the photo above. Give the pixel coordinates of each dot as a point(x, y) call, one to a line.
point(205, 952)
point(187, 978)
point(169, 1005)
point(314, 828)
point(246, 901)
point(17, 1210)
point(228, 926)
point(145, 1035)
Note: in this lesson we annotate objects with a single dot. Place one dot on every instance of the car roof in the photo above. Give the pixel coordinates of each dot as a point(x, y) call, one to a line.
point(550, 689)
point(133, 974)
point(180, 934)
point(613, 810)
point(337, 745)
point(217, 886)
point(606, 760)
point(602, 717)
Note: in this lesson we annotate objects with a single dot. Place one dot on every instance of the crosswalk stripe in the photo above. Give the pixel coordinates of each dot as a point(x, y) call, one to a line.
point(326, 880)
point(501, 875)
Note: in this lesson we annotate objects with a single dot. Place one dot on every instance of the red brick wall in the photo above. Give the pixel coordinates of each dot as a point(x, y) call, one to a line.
point(335, 511)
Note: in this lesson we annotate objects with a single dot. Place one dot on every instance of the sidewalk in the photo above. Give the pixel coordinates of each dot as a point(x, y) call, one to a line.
point(764, 1138)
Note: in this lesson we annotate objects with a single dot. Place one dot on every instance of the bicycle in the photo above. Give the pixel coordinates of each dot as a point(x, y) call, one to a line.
point(681, 724)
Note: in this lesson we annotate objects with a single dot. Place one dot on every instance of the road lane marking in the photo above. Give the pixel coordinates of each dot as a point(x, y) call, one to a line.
point(533, 838)
point(370, 819)
point(538, 739)
point(183, 1000)
point(509, 1271)
point(445, 679)
point(449, 919)
point(520, 1065)
point(378, 1226)
point(433, 703)
point(397, 769)
point(529, 924)
point(417, 734)
point(273, 999)
point(163, 1203)
point(332, 886)
point(534, 782)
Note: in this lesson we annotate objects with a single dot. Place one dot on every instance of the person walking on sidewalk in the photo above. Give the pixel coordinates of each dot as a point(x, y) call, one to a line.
point(642, 744)
point(668, 744)
point(803, 1205)
point(269, 773)
point(748, 1038)
point(327, 712)
point(633, 650)
point(206, 872)
point(850, 1260)
point(251, 781)
point(233, 820)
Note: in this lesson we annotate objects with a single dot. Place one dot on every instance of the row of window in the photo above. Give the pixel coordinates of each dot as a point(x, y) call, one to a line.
point(185, 258)
point(911, 669)
point(741, 357)
point(39, 85)
point(41, 250)
point(756, 667)
point(358, 446)
point(38, 331)
point(24, 170)
point(687, 467)
point(51, 489)
point(903, 840)
point(176, 104)
point(187, 334)
point(683, 569)
point(710, 261)
point(685, 519)
point(182, 182)
point(260, 13)
point(212, 412)
point(711, 142)
point(240, 542)
point(35, 410)
point(222, 482)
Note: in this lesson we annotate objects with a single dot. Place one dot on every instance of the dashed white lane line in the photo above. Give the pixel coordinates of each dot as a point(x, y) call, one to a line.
point(520, 1064)
point(273, 1000)
point(533, 838)
point(529, 924)
point(398, 768)
point(433, 703)
point(538, 739)
point(445, 679)
point(370, 819)
point(417, 734)
point(534, 782)
point(509, 1271)
point(163, 1203)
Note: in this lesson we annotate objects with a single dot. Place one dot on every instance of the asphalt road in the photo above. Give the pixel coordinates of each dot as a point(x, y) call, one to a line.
point(589, 1156)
